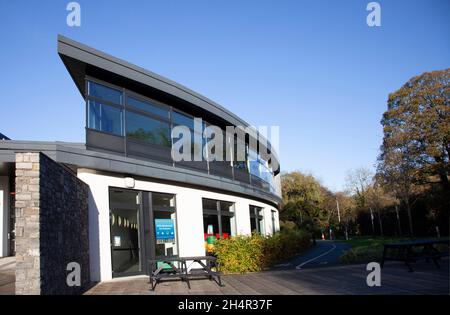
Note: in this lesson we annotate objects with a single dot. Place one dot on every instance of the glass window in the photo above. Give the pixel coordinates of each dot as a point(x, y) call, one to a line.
point(147, 129)
point(256, 219)
point(184, 120)
point(209, 204)
point(211, 225)
point(120, 196)
point(105, 118)
point(197, 143)
point(226, 206)
point(253, 225)
point(104, 92)
point(239, 164)
point(163, 200)
point(227, 226)
point(215, 212)
point(149, 107)
point(254, 168)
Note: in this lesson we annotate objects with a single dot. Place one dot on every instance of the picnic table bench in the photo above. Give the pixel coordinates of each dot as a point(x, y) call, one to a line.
point(168, 270)
point(405, 251)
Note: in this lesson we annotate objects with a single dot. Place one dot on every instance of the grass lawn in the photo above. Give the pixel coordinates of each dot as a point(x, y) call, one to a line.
point(367, 249)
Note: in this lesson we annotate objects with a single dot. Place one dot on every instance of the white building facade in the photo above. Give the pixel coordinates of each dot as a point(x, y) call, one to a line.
point(141, 203)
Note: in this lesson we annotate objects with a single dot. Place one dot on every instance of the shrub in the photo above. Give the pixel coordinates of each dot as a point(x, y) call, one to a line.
point(255, 253)
point(364, 254)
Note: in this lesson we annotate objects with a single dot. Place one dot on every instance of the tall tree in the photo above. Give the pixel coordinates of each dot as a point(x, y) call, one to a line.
point(416, 143)
point(379, 199)
point(357, 182)
point(302, 197)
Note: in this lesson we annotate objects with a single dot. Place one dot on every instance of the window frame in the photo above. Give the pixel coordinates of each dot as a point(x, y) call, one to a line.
point(128, 138)
point(256, 214)
point(107, 85)
point(152, 102)
point(220, 213)
point(107, 104)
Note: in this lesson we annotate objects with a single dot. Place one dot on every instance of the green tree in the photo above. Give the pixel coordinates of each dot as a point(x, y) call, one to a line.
point(301, 200)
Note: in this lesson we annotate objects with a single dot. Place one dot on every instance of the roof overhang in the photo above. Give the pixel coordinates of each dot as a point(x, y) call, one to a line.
point(76, 155)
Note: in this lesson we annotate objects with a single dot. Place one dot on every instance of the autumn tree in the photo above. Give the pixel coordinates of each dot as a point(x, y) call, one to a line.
point(347, 210)
point(416, 143)
point(379, 199)
point(357, 182)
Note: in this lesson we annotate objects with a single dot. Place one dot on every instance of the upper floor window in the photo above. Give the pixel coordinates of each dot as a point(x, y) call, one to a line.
point(146, 129)
point(148, 106)
point(183, 120)
point(105, 93)
point(105, 118)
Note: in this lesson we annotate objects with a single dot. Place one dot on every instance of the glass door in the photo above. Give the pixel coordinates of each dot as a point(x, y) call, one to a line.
point(125, 223)
point(162, 226)
point(164, 220)
point(143, 227)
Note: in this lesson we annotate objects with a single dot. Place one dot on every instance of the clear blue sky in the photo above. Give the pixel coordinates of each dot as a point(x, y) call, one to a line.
point(312, 67)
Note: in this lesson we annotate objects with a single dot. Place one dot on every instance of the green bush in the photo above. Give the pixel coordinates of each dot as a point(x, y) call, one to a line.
point(242, 254)
point(364, 254)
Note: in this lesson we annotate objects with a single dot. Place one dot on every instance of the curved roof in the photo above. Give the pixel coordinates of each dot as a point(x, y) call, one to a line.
point(77, 56)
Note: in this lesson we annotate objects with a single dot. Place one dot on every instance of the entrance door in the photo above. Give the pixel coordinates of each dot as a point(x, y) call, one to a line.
point(126, 224)
point(161, 238)
point(143, 226)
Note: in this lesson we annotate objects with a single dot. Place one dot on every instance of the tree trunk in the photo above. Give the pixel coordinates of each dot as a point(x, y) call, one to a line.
point(398, 221)
point(408, 210)
point(346, 231)
point(380, 222)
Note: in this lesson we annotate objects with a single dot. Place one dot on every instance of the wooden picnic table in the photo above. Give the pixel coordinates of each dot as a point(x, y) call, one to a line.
point(168, 270)
point(405, 251)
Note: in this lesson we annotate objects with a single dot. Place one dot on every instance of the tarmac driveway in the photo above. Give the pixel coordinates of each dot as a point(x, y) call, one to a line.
point(324, 253)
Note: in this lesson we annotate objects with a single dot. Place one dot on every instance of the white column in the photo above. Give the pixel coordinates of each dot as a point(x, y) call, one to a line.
point(99, 230)
point(4, 216)
point(190, 223)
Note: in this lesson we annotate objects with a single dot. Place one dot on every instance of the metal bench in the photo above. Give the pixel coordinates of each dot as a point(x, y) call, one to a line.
point(205, 268)
point(407, 254)
point(168, 270)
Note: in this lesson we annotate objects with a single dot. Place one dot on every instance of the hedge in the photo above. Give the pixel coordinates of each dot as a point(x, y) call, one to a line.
point(362, 255)
point(242, 254)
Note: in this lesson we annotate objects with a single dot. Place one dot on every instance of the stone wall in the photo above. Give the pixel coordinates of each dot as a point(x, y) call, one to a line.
point(51, 226)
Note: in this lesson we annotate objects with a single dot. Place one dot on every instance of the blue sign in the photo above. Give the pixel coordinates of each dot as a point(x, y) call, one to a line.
point(165, 231)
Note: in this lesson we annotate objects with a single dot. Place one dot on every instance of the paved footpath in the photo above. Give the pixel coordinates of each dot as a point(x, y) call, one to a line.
point(324, 253)
point(7, 275)
point(337, 279)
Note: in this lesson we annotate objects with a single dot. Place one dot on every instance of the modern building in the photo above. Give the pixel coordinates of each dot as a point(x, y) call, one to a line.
point(119, 199)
